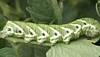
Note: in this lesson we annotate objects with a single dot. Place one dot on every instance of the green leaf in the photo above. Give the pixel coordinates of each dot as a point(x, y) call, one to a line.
point(57, 9)
point(41, 11)
point(7, 52)
point(40, 51)
point(45, 11)
point(25, 51)
point(2, 43)
point(79, 48)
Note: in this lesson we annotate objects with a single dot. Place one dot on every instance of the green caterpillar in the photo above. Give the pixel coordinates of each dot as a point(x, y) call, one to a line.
point(52, 34)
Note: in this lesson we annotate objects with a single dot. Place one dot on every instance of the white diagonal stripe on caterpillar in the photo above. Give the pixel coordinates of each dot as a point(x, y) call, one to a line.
point(17, 27)
point(43, 36)
point(67, 36)
point(54, 38)
point(30, 36)
point(78, 27)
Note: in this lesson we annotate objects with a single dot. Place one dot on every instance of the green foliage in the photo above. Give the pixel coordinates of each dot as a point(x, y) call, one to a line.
point(49, 12)
point(25, 51)
point(12, 13)
point(68, 13)
point(80, 48)
point(41, 11)
point(7, 52)
point(45, 11)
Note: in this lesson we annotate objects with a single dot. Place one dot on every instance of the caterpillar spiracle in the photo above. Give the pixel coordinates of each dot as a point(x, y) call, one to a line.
point(52, 34)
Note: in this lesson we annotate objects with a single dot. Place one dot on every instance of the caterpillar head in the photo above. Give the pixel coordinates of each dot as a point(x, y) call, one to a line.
point(10, 29)
point(94, 30)
point(91, 26)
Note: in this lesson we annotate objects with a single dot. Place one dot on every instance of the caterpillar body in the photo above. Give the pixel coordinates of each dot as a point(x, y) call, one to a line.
point(51, 33)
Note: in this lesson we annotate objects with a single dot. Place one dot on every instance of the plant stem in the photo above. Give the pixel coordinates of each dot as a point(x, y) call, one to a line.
point(18, 6)
point(16, 47)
